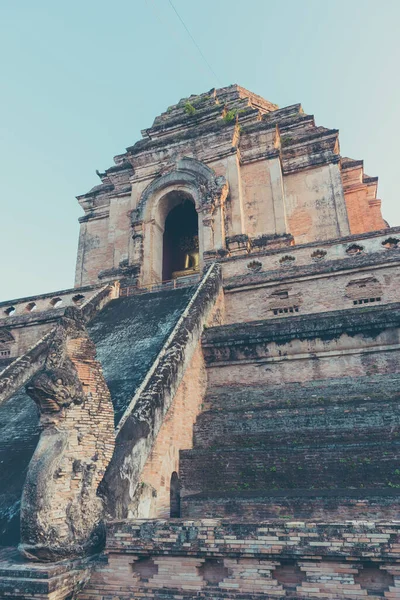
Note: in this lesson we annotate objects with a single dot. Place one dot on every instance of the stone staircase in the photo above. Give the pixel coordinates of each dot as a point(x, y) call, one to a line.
point(128, 333)
point(327, 448)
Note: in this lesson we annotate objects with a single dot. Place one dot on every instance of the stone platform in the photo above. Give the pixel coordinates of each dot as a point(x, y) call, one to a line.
point(20, 579)
point(211, 558)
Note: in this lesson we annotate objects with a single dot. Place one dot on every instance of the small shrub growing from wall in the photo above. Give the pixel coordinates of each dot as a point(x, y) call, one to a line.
point(229, 116)
point(286, 140)
point(189, 109)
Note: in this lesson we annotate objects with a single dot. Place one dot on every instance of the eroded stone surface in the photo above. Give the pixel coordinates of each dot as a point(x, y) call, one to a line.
point(61, 512)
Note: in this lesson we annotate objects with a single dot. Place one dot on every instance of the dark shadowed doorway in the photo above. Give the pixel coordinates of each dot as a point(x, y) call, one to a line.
point(181, 241)
point(175, 496)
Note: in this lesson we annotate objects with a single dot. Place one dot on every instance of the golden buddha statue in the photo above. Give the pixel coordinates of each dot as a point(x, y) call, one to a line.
point(190, 247)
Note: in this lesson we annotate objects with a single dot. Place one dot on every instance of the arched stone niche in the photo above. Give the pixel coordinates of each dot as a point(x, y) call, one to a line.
point(189, 179)
point(7, 343)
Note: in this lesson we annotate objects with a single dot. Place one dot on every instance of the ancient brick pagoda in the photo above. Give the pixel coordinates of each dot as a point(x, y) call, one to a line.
point(212, 411)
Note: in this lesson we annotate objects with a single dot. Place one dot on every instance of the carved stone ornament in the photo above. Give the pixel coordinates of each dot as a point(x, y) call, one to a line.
point(61, 511)
point(55, 389)
point(208, 189)
point(213, 192)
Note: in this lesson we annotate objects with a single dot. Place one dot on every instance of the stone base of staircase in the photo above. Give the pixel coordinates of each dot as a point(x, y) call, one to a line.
point(24, 580)
point(210, 558)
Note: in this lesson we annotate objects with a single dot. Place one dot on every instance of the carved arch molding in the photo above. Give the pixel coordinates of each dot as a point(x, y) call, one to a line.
point(206, 188)
point(6, 337)
point(208, 191)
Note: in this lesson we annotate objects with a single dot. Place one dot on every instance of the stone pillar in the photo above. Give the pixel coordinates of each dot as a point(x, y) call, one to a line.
point(277, 193)
point(343, 227)
point(236, 196)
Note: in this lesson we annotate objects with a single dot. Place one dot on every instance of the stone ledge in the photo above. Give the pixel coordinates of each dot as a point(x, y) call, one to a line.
point(205, 537)
point(25, 580)
point(312, 270)
point(356, 237)
point(223, 560)
point(329, 325)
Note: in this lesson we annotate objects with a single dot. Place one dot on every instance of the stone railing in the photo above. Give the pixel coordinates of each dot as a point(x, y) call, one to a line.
point(24, 367)
point(141, 422)
point(353, 251)
point(10, 310)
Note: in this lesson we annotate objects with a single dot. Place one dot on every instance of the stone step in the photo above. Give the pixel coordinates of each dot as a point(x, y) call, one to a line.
point(339, 504)
point(369, 465)
point(268, 426)
point(311, 438)
point(316, 393)
point(23, 579)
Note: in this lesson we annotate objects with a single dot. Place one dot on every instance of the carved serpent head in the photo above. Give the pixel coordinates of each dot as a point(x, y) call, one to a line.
point(56, 388)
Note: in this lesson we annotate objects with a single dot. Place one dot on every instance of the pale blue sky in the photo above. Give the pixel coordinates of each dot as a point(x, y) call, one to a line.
point(80, 79)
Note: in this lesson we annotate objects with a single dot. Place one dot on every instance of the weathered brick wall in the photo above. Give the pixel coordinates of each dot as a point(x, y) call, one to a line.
point(41, 581)
point(258, 199)
point(214, 559)
point(303, 294)
point(280, 361)
point(308, 217)
point(95, 251)
point(339, 505)
point(364, 213)
point(310, 366)
point(316, 256)
point(288, 468)
point(176, 432)
point(363, 209)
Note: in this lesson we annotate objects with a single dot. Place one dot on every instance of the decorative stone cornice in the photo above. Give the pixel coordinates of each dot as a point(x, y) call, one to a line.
point(250, 341)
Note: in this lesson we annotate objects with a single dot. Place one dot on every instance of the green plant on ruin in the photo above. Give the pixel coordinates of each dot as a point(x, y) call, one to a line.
point(286, 140)
point(239, 487)
point(189, 109)
point(200, 100)
point(230, 116)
